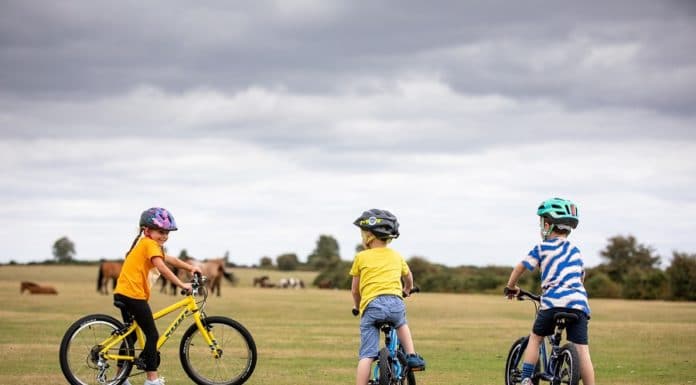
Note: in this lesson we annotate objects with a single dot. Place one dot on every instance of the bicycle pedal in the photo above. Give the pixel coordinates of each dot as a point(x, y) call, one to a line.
point(139, 363)
point(418, 369)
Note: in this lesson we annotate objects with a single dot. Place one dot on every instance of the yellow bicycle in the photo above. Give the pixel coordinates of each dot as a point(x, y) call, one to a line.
point(99, 349)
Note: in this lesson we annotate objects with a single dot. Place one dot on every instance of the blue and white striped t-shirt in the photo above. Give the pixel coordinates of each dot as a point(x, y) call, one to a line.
point(562, 273)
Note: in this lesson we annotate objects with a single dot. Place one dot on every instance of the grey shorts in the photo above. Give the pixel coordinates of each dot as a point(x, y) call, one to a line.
point(389, 308)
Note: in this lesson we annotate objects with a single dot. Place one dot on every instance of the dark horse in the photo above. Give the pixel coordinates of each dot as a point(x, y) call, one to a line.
point(108, 270)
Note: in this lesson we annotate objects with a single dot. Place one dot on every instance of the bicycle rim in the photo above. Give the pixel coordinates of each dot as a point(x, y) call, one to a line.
point(568, 366)
point(237, 353)
point(78, 358)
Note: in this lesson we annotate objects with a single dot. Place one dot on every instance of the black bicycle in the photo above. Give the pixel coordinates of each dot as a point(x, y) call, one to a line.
point(557, 364)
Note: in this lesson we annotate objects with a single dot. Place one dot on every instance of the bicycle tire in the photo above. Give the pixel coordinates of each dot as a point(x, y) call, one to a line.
point(233, 367)
point(409, 378)
point(567, 370)
point(385, 369)
point(76, 353)
point(514, 361)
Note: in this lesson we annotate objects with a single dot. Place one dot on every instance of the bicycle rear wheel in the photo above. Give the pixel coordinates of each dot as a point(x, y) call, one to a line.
point(78, 352)
point(385, 369)
point(513, 364)
point(237, 352)
point(567, 370)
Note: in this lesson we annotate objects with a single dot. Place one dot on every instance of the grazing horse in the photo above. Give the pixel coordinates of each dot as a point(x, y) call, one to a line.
point(325, 284)
point(35, 288)
point(292, 283)
point(260, 281)
point(263, 282)
point(108, 270)
point(214, 270)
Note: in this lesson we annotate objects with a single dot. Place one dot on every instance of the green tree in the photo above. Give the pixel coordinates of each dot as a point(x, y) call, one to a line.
point(645, 284)
point(183, 255)
point(682, 276)
point(325, 253)
point(599, 285)
point(287, 262)
point(265, 262)
point(338, 273)
point(624, 254)
point(63, 249)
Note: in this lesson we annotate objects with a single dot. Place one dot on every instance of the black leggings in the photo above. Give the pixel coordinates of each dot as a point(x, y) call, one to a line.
point(142, 313)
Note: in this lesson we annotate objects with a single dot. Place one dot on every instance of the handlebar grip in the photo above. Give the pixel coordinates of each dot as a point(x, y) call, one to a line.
point(355, 312)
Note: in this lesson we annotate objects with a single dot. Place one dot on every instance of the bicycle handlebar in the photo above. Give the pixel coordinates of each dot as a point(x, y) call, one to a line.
point(196, 282)
point(521, 294)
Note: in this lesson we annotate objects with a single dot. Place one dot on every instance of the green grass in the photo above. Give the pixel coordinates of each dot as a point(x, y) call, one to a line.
point(309, 337)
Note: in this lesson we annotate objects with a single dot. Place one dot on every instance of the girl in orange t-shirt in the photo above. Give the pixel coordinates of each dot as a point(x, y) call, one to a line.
point(145, 258)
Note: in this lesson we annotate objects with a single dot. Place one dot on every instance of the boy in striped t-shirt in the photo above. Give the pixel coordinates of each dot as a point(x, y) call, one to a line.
point(562, 276)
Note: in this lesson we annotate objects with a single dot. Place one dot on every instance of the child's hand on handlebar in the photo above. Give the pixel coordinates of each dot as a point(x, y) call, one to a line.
point(187, 287)
point(511, 293)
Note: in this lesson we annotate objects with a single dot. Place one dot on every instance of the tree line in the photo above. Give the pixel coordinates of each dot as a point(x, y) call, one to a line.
point(629, 270)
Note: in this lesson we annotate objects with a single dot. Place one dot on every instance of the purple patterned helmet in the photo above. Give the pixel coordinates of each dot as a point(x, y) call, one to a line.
point(158, 218)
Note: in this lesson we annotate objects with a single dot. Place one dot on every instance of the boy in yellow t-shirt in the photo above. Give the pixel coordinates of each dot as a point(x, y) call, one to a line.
point(377, 292)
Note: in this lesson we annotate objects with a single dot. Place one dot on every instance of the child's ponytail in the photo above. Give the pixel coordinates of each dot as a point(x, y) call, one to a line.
point(134, 241)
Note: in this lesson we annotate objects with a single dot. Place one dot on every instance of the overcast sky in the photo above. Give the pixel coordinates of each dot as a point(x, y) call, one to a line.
point(264, 124)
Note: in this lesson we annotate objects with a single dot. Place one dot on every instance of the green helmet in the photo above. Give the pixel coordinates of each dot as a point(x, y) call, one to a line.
point(559, 211)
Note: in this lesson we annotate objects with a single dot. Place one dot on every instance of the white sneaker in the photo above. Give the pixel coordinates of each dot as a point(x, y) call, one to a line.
point(526, 381)
point(159, 381)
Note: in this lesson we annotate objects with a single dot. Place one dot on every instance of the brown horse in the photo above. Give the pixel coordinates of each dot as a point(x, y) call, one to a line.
point(35, 288)
point(108, 270)
point(263, 281)
point(214, 270)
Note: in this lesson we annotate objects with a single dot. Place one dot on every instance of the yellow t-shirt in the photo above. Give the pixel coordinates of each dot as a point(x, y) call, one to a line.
point(133, 280)
point(380, 271)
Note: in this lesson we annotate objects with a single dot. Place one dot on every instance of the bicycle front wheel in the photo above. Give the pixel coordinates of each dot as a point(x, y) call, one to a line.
point(78, 354)
point(513, 364)
point(567, 370)
point(236, 353)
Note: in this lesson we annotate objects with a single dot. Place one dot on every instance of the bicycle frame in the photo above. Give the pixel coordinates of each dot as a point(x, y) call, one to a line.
point(189, 307)
point(391, 342)
point(550, 345)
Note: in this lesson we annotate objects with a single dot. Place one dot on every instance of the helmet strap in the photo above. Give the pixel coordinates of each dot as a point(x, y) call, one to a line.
point(545, 232)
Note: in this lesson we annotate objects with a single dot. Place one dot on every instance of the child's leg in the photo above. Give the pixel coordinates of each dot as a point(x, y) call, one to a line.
point(531, 355)
point(363, 372)
point(404, 334)
point(586, 367)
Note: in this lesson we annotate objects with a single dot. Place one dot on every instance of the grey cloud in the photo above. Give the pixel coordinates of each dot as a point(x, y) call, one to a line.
point(84, 50)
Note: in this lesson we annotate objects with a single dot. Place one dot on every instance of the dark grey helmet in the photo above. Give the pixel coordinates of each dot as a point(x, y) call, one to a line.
point(381, 223)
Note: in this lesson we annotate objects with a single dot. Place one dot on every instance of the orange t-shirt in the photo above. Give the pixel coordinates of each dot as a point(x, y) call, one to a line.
point(133, 280)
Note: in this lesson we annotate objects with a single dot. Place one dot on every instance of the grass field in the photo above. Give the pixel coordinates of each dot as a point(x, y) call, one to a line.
point(309, 337)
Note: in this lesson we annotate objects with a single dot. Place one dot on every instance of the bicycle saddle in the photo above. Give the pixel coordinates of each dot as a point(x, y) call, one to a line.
point(384, 324)
point(569, 317)
point(119, 304)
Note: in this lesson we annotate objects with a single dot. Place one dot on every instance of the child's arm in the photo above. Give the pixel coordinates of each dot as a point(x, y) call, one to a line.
point(515, 276)
point(355, 291)
point(178, 263)
point(168, 274)
point(408, 283)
